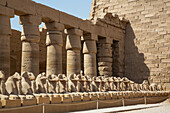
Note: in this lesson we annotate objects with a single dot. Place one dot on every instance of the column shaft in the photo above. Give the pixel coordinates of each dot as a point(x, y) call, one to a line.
point(30, 38)
point(54, 44)
point(73, 46)
point(5, 34)
point(90, 51)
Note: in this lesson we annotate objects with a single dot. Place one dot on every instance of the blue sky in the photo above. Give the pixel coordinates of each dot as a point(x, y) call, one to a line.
point(78, 8)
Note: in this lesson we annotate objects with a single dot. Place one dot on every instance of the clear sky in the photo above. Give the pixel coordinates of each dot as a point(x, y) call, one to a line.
point(78, 8)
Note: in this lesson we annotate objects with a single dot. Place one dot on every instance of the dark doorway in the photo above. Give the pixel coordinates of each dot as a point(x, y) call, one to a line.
point(115, 53)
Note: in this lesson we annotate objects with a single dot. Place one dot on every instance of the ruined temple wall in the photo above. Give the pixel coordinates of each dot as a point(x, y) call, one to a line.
point(147, 36)
point(15, 52)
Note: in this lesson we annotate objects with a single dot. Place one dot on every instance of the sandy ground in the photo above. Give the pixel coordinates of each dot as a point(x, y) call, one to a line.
point(163, 108)
point(142, 108)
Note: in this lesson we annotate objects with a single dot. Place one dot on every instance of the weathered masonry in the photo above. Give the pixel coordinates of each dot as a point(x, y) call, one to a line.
point(66, 45)
point(147, 36)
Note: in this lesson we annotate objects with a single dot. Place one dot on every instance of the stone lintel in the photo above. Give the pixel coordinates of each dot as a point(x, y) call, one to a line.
point(6, 11)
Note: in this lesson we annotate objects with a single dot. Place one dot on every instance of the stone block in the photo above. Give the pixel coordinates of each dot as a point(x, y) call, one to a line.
point(6, 11)
point(101, 97)
point(93, 96)
point(108, 96)
point(54, 26)
point(105, 59)
point(48, 14)
point(114, 95)
point(86, 98)
point(76, 98)
point(66, 98)
point(43, 100)
point(11, 103)
point(30, 22)
point(29, 102)
point(0, 104)
point(69, 20)
point(55, 100)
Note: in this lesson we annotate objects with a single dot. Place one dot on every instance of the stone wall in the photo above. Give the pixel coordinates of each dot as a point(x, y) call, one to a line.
point(15, 52)
point(147, 36)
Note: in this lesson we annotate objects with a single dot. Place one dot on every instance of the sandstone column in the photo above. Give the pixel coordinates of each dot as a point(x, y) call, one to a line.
point(54, 44)
point(5, 34)
point(105, 56)
point(73, 47)
point(30, 38)
point(90, 51)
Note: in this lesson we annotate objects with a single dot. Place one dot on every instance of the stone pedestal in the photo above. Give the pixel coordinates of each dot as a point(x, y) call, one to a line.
point(108, 96)
point(42, 99)
point(30, 38)
point(76, 97)
point(89, 51)
point(73, 46)
point(55, 99)
point(93, 96)
point(101, 96)
point(66, 98)
point(11, 103)
point(28, 102)
point(85, 97)
point(54, 44)
point(5, 34)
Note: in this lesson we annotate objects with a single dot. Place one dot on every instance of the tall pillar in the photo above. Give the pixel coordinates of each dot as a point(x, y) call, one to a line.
point(54, 44)
point(5, 34)
point(73, 47)
point(105, 56)
point(30, 38)
point(90, 51)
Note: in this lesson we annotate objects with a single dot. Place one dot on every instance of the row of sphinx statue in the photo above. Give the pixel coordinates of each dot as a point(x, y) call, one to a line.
point(28, 84)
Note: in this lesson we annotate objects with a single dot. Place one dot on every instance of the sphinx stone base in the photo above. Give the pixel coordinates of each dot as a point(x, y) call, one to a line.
point(42, 100)
point(93, 96)
point(76, 97)
point(66, 98)
point(28, 102)
point(108, 96)
point(11, 103)
point(85, 97)
point(101, 96)
point(55, 99)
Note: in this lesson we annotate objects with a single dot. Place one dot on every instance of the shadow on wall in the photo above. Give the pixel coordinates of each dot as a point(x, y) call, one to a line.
point(135, 68)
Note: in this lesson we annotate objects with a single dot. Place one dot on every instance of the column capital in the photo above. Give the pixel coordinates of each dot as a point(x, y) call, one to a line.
point(75, 31)
point(54, 26)
point(30, 19)
point(109, 40)
point(90, 36)
point(6, 11)
point(89, 47)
